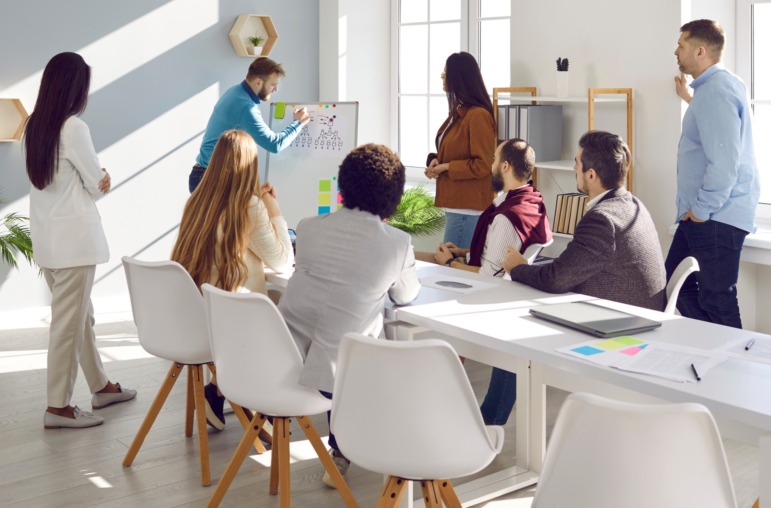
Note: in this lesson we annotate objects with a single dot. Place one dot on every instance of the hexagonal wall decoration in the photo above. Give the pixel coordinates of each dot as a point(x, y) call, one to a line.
point(12, 119)
point(253, 25)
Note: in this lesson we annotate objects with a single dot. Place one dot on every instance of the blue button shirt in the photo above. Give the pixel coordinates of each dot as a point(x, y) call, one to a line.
point(717, 177)
point(239, 108)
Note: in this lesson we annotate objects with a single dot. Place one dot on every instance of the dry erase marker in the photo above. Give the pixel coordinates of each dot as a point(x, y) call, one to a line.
point(749, 344)
point(695, 373)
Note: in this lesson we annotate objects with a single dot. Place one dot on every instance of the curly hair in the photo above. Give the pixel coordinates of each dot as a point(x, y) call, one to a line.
point(220, 204)
point(371, 178)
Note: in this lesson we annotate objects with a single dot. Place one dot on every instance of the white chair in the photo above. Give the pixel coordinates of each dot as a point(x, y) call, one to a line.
point(169, 314)
point(533, 250)
point(407, 410)
point(258, 366)
point(686, 267)
point(605, 454)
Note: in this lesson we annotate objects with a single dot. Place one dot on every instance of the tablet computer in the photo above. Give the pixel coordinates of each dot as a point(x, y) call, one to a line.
point(594, 319)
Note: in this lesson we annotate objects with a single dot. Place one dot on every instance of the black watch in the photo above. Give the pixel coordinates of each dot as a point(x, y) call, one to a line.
point(449, 261)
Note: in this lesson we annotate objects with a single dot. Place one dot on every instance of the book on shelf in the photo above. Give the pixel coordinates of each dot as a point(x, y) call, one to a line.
point(568, 211)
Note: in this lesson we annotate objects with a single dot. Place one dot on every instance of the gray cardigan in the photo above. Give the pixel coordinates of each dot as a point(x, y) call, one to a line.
point(346, 264)
point(615, 254)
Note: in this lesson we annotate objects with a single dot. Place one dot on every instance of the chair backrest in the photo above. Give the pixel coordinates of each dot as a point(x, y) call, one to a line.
point(258, 363)
point(407, 409)
point(533, 250)
point(686, 267)
point(168, 311)
point(607, 453)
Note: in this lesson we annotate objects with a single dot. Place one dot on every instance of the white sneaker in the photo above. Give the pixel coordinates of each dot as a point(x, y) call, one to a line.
point(341, 463)
point(82, 420)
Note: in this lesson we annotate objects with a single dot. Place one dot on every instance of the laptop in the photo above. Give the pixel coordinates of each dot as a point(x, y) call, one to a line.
point(594, 319)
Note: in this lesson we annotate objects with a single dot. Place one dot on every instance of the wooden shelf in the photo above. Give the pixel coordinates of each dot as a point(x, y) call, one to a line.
point(12, 119)
point(549, 98)
point(566, 165)
point(562, 235)
point(253, 25)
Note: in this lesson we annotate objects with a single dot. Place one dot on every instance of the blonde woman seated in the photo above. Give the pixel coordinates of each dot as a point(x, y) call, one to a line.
point(231, 228)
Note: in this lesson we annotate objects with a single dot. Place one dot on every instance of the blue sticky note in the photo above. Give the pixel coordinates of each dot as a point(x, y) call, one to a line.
point(324, 210)
point(587, 350)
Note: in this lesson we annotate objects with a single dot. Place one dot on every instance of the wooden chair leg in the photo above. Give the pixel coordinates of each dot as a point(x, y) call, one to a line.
point(313, 436)
point(203, 435)
point(281, 433)
point(392, 492)
point(756, 504)
point(152, 413)
point(190, 404)
point(448, 494)
point(431, 496)
point(274, 456)
point(246, 423)
point(235, 463)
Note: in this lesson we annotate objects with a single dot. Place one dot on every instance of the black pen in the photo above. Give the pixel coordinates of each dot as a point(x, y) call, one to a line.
point(749, 344)
point(695, 373)
point(499, 272)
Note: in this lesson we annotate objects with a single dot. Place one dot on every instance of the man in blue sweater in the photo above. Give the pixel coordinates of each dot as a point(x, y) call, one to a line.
point(717, 177)
point(239, 108)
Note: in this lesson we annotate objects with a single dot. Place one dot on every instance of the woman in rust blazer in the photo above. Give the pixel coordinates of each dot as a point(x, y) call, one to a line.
point(465, 147)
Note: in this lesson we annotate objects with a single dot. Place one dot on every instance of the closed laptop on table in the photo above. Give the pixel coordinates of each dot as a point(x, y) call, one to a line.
point(594, 319)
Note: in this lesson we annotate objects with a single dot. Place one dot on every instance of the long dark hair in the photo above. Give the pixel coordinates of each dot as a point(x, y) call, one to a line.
point(63, 93)
point(465, 85)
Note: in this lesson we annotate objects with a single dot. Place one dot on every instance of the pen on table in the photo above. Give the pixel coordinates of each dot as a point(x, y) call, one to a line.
point(695, 372)
point(499, 272)
point(749, 344)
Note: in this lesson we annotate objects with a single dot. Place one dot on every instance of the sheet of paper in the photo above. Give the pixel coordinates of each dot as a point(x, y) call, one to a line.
point(671, 362)
point(759, 351)
point(455, 284)
point(606, 351)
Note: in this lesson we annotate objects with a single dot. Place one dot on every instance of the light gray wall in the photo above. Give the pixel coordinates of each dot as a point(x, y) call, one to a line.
point(158, 68)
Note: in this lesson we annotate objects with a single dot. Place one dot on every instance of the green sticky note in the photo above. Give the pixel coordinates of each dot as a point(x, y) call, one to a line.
point(280, 110)
point(629, 341)
point(609, 345)
point(325, 186)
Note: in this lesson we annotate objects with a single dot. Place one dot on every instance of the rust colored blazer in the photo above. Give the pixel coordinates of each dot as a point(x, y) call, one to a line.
point(469, 147)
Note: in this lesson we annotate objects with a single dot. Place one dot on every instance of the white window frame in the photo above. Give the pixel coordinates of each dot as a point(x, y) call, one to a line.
point(470, 42)
point(744, 70)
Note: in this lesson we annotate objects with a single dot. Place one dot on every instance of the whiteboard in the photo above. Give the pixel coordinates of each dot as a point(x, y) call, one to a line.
point(305, 173)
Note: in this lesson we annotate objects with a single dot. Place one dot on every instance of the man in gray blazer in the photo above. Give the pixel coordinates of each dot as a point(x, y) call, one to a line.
point(615, 252)
point(346, 263)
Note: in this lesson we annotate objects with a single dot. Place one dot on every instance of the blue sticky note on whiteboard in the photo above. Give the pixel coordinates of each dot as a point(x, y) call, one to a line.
point(280, 110)
point(324, 210)
point(587, 350)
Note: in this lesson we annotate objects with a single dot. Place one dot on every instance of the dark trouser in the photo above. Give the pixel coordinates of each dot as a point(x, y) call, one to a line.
point(709, 294)
point(195, 177)
point(332, 440)
point(500, 398)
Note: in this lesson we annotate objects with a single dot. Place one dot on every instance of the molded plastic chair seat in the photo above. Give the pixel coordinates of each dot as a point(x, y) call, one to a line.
point(533, 250)
point(686, 267)
point(407, 410)
point(258, 366)
point(605, 454)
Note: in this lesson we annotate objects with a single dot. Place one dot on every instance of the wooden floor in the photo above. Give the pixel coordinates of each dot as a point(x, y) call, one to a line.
point(47, 468)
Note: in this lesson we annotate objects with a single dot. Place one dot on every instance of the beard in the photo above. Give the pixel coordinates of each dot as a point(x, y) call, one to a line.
point(264, 94)
point(497, 183)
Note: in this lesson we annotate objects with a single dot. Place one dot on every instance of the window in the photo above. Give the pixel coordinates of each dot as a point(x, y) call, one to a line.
point(428, 31)
point(754, 66)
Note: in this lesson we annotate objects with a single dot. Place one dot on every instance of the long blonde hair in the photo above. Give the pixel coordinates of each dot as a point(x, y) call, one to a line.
point(221, 200)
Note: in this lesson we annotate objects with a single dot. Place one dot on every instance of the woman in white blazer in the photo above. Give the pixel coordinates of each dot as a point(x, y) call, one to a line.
point(230, 228)
point(67, 237)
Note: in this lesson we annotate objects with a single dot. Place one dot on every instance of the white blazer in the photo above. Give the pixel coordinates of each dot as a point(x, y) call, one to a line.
point(346, 264)
point(65, 225)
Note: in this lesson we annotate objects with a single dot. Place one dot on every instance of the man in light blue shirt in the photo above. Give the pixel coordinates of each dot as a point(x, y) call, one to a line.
point(239, 108)
point(717, 177)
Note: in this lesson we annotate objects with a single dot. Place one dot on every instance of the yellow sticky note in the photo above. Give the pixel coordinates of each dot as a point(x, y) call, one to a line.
point(324, 199)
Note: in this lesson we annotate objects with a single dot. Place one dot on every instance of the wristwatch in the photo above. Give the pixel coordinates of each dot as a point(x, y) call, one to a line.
point(449, 261)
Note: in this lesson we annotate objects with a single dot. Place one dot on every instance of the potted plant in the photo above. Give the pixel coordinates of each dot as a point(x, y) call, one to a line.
point(14, 238)
point(257, 42)
point(416, 213)
point(562, 77)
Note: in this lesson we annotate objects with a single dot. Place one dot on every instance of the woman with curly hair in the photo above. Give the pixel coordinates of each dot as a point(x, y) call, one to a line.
point(230, 229)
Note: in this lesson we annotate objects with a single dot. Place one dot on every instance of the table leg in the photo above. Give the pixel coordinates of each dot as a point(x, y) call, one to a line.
point(537, 417)
point(764, 469)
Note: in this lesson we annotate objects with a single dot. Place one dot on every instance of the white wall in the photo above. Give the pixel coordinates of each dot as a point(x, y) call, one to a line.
point(158, 67)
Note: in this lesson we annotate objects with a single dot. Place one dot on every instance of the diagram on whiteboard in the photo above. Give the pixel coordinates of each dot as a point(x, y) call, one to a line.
point(324, 133)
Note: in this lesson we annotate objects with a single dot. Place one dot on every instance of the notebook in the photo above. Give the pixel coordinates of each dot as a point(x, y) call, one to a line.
point(594, 319)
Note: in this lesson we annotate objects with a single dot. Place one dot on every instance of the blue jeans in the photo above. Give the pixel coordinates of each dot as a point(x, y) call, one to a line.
point(332, 440)
point(500, 398)
point(459, 229)
point(195, 177)
point(709, 294)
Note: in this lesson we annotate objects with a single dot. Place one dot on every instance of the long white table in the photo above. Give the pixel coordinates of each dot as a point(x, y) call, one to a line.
point(495, 327)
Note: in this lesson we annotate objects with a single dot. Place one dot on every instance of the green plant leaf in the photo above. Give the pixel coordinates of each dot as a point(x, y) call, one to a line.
point(15, 238)
point(416, 213)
